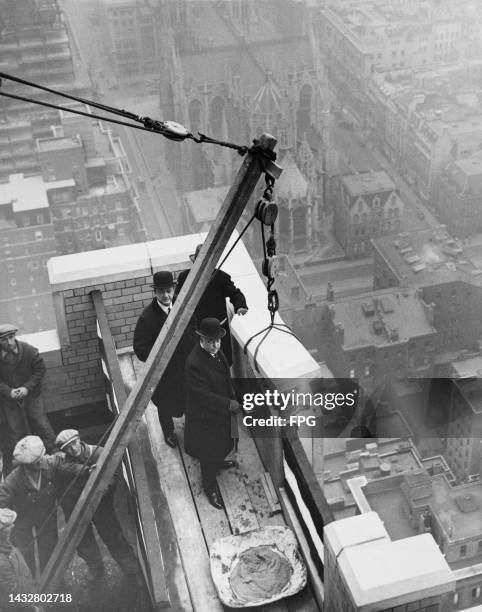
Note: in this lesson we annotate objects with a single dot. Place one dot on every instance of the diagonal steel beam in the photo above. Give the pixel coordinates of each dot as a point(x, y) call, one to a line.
point(253, 166)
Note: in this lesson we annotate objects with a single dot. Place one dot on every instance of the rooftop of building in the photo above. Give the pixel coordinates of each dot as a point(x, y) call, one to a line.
point(378, 458)
point(377, 569)
point(58, 144)
point(456, 508)
point(28, 193)
point(204, 204)
point(468, 368)
point(381, 318)
point(369, 21)
point(368, 182)
point(291, 184)
point(427, 257)
point(468, 375)
point(466, 174)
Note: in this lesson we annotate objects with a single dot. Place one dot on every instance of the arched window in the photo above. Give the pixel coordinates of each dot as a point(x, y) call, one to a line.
point(299, 228)
point(216, 115)
point(284, 224)
point(195, 108)
point(304, 110)
point(305, 97)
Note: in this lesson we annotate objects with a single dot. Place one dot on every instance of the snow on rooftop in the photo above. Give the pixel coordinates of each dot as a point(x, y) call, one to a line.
point(29, 193)
point(375, 569)
point(384, 570)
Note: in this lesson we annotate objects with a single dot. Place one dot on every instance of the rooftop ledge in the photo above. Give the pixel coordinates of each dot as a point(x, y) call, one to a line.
point(280, 356)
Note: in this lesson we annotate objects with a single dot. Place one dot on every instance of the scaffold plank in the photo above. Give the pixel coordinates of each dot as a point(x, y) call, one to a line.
point(214, 523)
point(174, 572)
point(189, 534)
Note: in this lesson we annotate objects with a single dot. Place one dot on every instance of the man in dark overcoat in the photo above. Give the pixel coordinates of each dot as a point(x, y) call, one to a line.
point(169, 395)
point(211, 403)
point(21, 372)
point(213, 301)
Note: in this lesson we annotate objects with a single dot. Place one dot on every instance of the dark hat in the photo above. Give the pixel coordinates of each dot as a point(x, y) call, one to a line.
point(193, 256)
point(211, 328)
point(7, 329)
point(163, 280)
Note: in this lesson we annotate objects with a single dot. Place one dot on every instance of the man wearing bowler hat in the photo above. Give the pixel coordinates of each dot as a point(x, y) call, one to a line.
point(21, 372)
point(213, 301)
point(211, 402)
point(169, 395)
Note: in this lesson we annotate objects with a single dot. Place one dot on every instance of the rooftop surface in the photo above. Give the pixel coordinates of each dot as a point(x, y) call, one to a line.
point(28, 193)
point(389, 506)
point(368, 182)
point(383, 570)
point(57, 144)
point(371, 319)
point(458, 509)
point(428, 257)
point(204, 204)
point(378, 569)
point(291, 184)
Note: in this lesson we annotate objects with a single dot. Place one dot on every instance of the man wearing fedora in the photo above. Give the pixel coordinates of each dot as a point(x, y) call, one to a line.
point(213, 301)
point(211, 403)
point(21, 372)
point(169, 395)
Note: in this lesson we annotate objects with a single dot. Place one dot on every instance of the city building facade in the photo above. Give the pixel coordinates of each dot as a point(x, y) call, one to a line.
point(368, 206)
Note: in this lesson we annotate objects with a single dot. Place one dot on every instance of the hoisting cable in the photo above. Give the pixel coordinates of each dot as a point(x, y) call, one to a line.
point(266, 212)
point(168, 129)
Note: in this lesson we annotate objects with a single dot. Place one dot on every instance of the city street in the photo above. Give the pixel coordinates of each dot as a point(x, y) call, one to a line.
point(153, 182)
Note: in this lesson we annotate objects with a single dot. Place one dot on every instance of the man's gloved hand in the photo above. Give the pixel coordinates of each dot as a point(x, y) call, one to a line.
point(234, 406)
point(22, 392)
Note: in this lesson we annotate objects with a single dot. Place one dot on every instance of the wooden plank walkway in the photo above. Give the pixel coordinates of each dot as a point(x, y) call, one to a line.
point(197, 524)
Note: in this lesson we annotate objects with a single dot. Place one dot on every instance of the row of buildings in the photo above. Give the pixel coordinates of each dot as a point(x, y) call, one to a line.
point(410, 75)
point(64, 179)
point(81, 200)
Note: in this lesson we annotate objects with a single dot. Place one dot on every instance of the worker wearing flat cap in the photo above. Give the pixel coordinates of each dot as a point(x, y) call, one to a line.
point(211, 404)
point(169, 395)
point(21, 372)
point(105, 518)
point(15, 576)
point(213, 301)
point(31, 489)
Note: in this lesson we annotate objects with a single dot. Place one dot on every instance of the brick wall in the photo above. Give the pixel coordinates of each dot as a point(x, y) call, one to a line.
point(123, 275)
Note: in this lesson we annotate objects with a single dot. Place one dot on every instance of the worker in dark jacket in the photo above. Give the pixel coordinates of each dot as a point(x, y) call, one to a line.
point(21, 373)
point(104, 519)
point(31, 490)
point(211, 403)
point(169, 395)
point(213, 301)
point(15, 576)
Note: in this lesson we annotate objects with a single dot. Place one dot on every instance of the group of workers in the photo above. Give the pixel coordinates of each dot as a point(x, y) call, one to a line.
point(42, 471)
